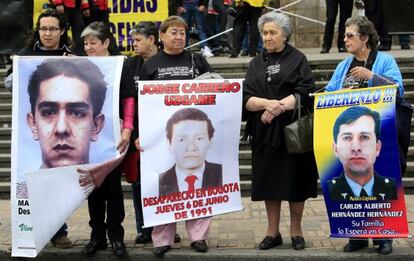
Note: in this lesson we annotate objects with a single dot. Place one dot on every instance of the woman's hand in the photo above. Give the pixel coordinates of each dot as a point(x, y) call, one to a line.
point(289, 102)
point(275, 107)
point(123, 143)
point(138, 145)
point(361, 73)
point(267, 117)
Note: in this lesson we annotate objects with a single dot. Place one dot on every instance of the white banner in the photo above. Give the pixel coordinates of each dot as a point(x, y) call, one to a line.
point(190, 131)
point(64, 136)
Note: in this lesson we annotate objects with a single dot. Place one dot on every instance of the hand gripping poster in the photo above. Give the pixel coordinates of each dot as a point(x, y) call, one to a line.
point(65, 130)
point(356, 150)
point(190, 131)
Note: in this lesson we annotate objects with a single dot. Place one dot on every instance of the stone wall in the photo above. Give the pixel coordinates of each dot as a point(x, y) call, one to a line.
point(307, 34)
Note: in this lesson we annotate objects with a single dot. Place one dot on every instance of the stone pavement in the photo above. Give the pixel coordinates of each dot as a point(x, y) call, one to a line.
point(232, 236)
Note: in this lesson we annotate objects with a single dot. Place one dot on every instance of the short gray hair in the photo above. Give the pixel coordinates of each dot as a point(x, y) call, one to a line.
point(278, 18)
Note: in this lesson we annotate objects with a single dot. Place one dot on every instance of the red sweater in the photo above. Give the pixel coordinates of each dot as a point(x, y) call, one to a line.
point(101, 4)
point(71, 3)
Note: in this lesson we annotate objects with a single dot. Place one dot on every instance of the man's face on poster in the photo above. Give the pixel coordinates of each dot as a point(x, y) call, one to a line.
point(189, 144)
point(63, 121)
point(357, 147)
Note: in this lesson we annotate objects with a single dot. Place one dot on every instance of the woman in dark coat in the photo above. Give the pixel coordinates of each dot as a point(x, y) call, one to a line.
point(272, 80)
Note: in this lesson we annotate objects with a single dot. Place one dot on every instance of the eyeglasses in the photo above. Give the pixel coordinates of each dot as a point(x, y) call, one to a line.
point(351, 35)
point(51, 29)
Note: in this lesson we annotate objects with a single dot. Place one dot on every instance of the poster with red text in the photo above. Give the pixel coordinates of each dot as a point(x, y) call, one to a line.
point(190, 131)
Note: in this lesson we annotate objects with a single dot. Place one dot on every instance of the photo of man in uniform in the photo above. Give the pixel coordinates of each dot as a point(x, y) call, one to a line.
point(189, 135)
point(66, 98)
point(356, 144)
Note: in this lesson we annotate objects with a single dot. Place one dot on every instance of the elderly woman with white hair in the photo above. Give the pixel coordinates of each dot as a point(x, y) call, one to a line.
point(271, 82)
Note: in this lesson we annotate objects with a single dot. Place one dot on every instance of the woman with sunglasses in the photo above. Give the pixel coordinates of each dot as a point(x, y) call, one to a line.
point(367, 67)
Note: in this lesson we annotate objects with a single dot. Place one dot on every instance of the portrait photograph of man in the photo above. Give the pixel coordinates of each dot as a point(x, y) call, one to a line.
point(66, 110)
point(65, 114)
point(189, 135)
point(357, 144)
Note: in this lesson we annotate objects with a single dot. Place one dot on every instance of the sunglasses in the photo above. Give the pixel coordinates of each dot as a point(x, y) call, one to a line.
point(350, 35)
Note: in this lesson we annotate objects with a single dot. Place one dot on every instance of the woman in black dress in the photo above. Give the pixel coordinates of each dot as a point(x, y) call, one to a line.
point(272, 79)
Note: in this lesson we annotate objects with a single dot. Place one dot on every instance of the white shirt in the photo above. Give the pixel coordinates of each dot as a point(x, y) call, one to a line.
point(356, 188)
point(181, 175)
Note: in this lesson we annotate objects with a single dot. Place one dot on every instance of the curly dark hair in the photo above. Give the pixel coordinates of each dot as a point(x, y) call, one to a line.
point(365, 28)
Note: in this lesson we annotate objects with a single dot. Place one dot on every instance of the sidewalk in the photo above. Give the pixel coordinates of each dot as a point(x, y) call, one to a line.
point(232, 237)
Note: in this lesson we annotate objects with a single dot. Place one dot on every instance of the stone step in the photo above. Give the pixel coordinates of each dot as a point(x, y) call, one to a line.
point(5, 174)
point(5, 146)
point(5, 120)
point(318, 74)
point(5, 107)
point(5, 96)
point(5, 133)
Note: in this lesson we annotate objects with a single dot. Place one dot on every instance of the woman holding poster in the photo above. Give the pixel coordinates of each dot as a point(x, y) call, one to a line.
point(367, 67)
point(272, 80)
point(174, 63)
point(108, 196)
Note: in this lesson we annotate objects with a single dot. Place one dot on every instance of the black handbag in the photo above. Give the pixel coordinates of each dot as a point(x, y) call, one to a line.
point(299, 134)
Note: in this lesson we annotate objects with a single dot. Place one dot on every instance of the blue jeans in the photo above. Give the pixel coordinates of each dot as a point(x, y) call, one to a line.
point(139, 218)
point(200, 21)
point(245, 43)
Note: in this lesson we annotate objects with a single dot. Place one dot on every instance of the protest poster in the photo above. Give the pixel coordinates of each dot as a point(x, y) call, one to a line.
point(190, 131)
point(124, 14)
point(356, 150)
point(65, 111)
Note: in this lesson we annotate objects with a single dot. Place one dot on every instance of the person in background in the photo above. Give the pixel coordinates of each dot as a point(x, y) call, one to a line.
point(374, 11)
point(368, 67)
point(99, 12)
point(217, 21)
point(245, 45)
point(195, 10)
point(345, 11)
point(162, 66)
point(108, 197)
point(248, 13)
point(74, 10)
point(272, 80)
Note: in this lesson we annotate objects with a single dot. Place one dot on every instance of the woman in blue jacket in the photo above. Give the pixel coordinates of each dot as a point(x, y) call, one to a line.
point(367, 67)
